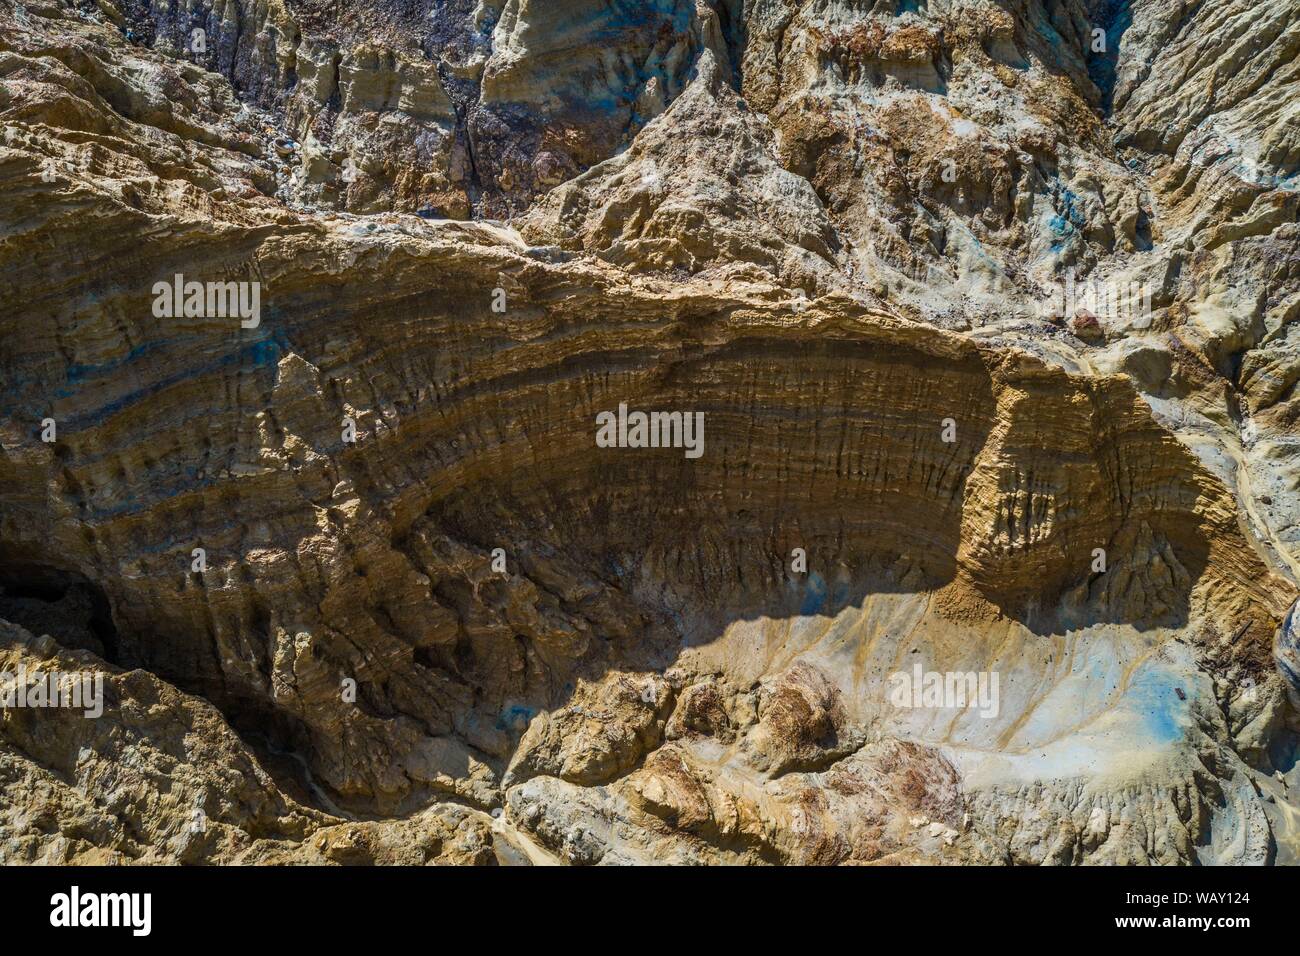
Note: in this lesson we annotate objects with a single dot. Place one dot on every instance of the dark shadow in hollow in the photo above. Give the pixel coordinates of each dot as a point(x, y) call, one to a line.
point(63, 604)
point(1113, 17)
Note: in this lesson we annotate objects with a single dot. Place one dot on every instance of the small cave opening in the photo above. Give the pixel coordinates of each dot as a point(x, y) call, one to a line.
point(64, 604)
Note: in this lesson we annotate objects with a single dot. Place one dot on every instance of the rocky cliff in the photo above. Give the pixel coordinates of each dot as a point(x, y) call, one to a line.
point(311, 314)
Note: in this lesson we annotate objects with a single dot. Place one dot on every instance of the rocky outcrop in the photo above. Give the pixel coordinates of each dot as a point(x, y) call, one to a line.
point(363, 581)
point(445, 110)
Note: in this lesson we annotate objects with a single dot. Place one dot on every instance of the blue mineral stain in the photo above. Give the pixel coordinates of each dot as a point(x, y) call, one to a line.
point(907, 6)
point(265, 353)
point(514, 716)
point(682, 13)
point(1068, 201)
point(262, 353)
point(1153, 693)
point(78, 373)
point(1068, 221)
point(814, 598)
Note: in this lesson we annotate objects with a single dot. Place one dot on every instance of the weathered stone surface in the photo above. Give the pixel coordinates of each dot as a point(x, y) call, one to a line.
point(473, 635)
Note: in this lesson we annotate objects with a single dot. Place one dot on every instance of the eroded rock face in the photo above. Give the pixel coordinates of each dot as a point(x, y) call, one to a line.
point(442, 109)
point(363, 585)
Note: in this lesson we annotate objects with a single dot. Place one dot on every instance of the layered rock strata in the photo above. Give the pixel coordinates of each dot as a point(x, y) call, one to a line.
point(360, 581)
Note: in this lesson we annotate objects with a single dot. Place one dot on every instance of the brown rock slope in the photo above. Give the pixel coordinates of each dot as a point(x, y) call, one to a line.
point(474, 635)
